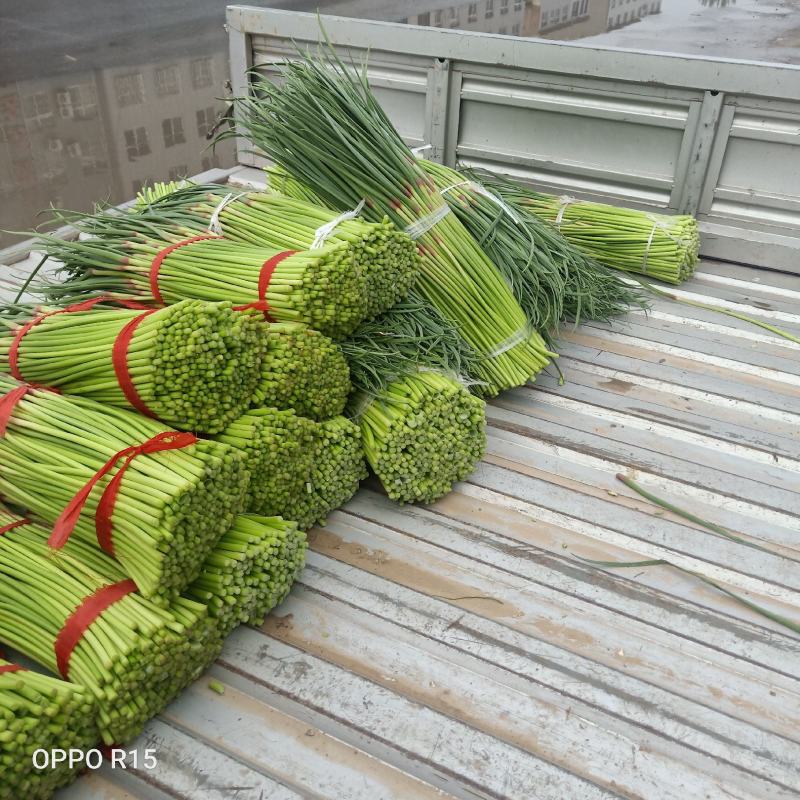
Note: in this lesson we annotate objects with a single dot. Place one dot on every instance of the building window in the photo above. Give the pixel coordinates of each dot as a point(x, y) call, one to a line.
point(502, 30)
point(424, 19)
point(172, 129)
point(77, 102)
point(136, 143)
point(565, 13)
point(438, 18)
point(515, 29)
point(178, 173)
point(503, 6)
point(36, 108)
point(518, 5)
point(452, 17)
point(489, 13)
point(584, 7)
point(202, 73)
point(129, 89)
point(205, 121)
point(472, 12)
point(168, 81)
point(210, 162)
point(576, 7)
point(93, 158)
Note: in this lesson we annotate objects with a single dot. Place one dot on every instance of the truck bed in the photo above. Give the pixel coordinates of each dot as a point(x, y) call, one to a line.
point(464, 649)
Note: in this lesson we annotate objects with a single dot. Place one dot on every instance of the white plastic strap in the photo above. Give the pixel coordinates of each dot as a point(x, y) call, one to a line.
point(322, 233)
point(214, 225)
point(656, 224)
point(418, 151)
point(364, 402)
point(518, 336)
point(665, 226)
point(454, 376)
point(482, 190)
point(422, 226)
point(565, 200)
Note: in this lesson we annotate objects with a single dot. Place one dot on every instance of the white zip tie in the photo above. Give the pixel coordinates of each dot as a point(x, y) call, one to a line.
point(649, 242)
point(214, 225)
point(512, 341)
point(482, 190)
point(659, 223)
point(322, 233)
point(566, 200)
point(463, 380)
point(663, 222)
point(364, 402)
point(422, 226)
point(418, 151)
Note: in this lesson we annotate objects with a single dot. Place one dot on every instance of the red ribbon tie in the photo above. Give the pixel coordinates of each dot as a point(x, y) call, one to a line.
point(119, 358)
point(78, 622)
point(10, 527)
point(65, 524)
point(155, 267)
point(264, 278)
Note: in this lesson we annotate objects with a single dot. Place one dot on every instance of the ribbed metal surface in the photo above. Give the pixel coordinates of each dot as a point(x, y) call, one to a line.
point(464, 650)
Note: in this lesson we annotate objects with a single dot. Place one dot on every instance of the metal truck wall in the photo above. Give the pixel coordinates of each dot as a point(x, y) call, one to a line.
point(715, 138)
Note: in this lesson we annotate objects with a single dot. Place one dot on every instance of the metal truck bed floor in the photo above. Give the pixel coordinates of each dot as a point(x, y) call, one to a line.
point(464, 650)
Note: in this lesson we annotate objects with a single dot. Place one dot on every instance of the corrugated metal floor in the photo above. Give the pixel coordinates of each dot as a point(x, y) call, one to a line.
point(464, 651)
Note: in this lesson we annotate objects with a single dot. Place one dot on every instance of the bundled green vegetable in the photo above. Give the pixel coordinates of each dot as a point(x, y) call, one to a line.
point(657, 245)
point(411, 337)
point(194, 365)
point(550, 277)
point(278, 568)
point(337, 471)
point(422, 430)
point(421, 435)
point(169, 500)
point(304, 371)
point(280, 452)
point(322, 124)
point(150, 257)
point(285, 183)
point(133, 656)
point(250, 570)
point(39, 712)
point(386, 257)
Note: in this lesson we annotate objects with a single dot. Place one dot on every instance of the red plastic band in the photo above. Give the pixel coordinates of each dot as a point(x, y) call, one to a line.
point(13, 351)
point(119, 358)
point(65, 524)
point(78, 622)
point(125, 303)
point(10, 668)
point(86, 305)
point(155, 267)
point(264, 278)
point(10, 527)
point(8, 402)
